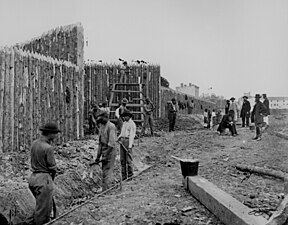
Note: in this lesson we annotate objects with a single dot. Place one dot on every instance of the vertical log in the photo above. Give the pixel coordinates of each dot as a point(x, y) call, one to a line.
point(2, 81)
point(25, 102)
point(7, 103)
point(62, 102)
point(71, 104)
point(37, 100)
point(12, 85)
point(17, 66)
point(31, 78)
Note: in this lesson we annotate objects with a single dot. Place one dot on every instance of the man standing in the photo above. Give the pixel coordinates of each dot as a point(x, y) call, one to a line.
point(266, 103)
point(126, 140)
point(245, 111)
point(227, 105)
point(43, 166)
point(172, 112)
point(121, 109)
point(148, 117)
point(190, 106)
point(106, 148)
point(259, 111)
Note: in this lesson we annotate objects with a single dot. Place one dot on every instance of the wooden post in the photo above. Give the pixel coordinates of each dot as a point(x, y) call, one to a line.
point(2, 82)
point(12, 113)
point(7, 103)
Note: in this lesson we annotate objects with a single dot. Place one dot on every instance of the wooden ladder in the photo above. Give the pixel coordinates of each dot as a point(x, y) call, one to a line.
point(133, 93)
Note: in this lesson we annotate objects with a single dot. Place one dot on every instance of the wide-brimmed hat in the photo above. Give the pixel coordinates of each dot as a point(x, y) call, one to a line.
point(232, 98)
point(264, 95)
point(101, 113)
point(245, 97)
point(257, 96)
point(125, 100)
point(50, 128)
point(126, 113)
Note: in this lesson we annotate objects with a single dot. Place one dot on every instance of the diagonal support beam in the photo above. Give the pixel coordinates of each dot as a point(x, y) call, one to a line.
point(222, 205)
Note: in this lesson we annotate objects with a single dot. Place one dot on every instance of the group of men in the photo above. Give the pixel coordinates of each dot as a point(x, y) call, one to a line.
point(258, 116)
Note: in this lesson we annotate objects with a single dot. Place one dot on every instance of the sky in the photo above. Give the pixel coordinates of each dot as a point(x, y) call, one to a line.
point(233, 46)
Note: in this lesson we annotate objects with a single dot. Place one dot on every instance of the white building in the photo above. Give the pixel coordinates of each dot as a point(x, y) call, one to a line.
point(278, 102)
point(192, 89)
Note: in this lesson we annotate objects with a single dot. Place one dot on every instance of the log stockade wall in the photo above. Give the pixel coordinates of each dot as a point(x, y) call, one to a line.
point(65, 43)
point(35, 89)
point(99, 78)
point(199, 105)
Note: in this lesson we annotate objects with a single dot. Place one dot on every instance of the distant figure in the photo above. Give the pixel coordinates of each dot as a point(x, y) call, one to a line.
point(233, 106)
point(148, 116)
point(190, 106)
point(227, 105)
point(121, 110)
point(213, 118)
point(259, 111)
point(117, 115)
point(227, 122)
point(172, 112)
point(107, 148)
point(105, 108)
point(206, 119)
point(266, 103)
point(91, 118)
point(245, 112)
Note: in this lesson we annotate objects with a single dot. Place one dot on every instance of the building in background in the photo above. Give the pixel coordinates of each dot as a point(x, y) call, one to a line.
point(278, 102)
point(192, 89)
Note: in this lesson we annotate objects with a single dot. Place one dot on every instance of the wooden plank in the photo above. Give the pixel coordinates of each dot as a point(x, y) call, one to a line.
point(37, 100)
point(62, 104)
point(30, 96)
point(222, 205)
point(26, 103)
point(2, 82)
point(12, 92)
point(7, 104)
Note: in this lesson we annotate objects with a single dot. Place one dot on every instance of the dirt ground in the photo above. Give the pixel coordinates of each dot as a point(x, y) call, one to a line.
point(157, 195)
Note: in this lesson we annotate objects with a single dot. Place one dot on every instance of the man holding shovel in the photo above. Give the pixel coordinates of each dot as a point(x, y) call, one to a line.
point(41, 182)
point(107, 148)
point(126, 140)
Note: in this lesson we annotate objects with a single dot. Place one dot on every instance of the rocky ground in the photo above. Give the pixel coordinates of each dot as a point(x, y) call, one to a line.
point(157, 196)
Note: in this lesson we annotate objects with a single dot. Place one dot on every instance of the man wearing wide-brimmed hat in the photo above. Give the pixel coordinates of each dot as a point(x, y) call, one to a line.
point(259, 111)
point(126, 140)
point(245, 112)
point(106, 148)
point(44, 170)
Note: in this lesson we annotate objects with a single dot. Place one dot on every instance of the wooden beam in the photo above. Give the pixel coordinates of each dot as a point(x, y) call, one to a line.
point(222, 205)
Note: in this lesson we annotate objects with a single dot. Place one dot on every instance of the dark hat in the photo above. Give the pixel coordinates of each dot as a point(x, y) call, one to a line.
point(126, 113)
point(147, 99)
point(173, 99)
point(124, 100)
point(227, 100)
point(264, 95)
point(245, 97)
point(101, 113)
point(232, 98)
point(50, 128)
point(257, 96)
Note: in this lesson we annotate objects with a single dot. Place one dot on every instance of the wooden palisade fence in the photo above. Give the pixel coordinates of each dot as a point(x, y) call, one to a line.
point(35, 89)
point(99, 79)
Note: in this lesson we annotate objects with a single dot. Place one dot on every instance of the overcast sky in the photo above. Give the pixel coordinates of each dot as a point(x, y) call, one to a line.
point(233, 46)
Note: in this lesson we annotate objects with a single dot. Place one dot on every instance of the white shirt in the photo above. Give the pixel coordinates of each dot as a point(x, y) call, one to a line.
point(117, 113)
point(128, 131)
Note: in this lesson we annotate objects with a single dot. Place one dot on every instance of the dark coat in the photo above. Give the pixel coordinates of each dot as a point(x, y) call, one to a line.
point(258, 112)
point(245, 111)
point(266, 103)
point(171, 111)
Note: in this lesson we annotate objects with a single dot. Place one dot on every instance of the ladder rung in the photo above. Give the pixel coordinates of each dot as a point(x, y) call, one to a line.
point(130, 111)
point(128, 105)
point(128, 84)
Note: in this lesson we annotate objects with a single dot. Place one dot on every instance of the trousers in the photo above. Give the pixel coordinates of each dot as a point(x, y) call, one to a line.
point(41, 186)
point(148, 120)
point(107, 168)
point(126, 159)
